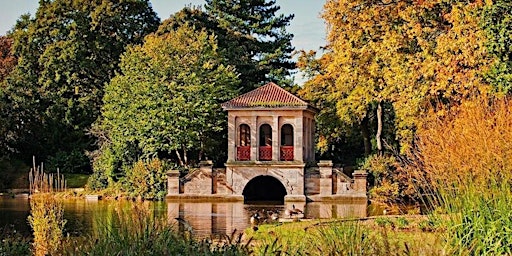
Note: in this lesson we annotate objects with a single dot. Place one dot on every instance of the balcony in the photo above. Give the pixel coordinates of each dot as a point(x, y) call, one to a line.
point(286, 153)
point(265, 153)
point(243, 153)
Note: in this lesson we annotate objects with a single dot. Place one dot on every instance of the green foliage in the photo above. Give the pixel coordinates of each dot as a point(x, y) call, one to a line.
point(497, 23)
point(147, 178)
point(13, 243)
point(402, 223)
point(170, 90)
point(47, 220)
point(251, 37)
point(76, 180)
point(384, 222)
point(388, 180)
point(66, 53)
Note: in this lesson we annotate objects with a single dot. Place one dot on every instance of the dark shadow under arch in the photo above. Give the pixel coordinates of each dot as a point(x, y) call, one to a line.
point(264, 189)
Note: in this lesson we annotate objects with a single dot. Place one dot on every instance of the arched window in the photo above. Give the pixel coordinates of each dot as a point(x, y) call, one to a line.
point(245, 135)
point(286, 150)
point(287, 135)
point(265, 135)
point(265, 152)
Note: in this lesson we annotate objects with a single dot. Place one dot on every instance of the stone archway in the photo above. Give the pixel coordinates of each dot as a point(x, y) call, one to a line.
point(264, 188)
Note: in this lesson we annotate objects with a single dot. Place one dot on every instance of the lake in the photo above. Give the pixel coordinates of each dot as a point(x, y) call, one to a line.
point(205, 218)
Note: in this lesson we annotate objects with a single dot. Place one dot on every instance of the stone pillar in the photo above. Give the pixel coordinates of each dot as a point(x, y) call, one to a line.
point(231, 137)
point(298, 139)
point(325, 167)
point(276, 146)
point(206, 168)
point(254, 137)
point(173, 182)
point(360, 181)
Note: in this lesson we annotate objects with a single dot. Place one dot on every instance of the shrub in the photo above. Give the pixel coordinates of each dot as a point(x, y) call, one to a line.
point(390, 184)
point(47, 220)
point(147, 178)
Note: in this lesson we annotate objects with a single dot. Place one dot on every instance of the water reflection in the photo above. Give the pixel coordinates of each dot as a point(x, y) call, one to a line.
point(205, 218)
point(211, 218)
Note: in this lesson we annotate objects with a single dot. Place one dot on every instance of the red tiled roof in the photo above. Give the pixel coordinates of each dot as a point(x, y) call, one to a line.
point(269, 95)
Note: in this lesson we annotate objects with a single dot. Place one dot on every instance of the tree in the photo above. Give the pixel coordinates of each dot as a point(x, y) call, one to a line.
point(67, 53)
point(170, 90)
point(250, 35)
point(395, 58)
point(7, 64)
point(257, 29)
point(7, 59)
point(497, 24)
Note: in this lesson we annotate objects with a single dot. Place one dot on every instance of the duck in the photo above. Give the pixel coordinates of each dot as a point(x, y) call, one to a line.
point(293, 211)
point(274, 216)
point(255, 219)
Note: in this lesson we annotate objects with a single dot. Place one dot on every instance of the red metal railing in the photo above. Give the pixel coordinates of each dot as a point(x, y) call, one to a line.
point(266, 153)
point(243, 153)
point(286, 153)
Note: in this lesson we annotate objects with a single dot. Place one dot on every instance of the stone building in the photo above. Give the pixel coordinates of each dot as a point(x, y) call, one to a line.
point(271, 137)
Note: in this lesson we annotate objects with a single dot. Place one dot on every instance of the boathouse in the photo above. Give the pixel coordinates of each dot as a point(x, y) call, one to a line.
point(271, 157)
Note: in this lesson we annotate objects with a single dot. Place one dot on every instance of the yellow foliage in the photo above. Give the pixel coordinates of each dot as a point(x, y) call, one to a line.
point(47, 220)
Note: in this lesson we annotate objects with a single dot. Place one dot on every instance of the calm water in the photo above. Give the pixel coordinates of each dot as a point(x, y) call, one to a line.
point(205, 218)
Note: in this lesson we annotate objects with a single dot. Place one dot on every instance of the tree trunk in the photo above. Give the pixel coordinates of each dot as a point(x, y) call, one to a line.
point(185, 158)
point(378, 136)
point(366, 136)
point(179, 157)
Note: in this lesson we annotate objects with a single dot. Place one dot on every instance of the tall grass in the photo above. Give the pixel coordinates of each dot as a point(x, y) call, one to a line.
point(465, 162)
point(137, 231)
point(46, 213)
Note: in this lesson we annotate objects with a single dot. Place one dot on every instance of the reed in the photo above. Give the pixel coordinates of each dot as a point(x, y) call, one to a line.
point(39, 181)
point(465, 162)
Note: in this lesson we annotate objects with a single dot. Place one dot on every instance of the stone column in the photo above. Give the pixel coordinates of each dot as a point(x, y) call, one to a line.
point(254, 137)
point(231, 137)
point(360, 181)
point(173, 182)
point(325, 167)
point(206, 168)
point(298, 135)
point(275, 139)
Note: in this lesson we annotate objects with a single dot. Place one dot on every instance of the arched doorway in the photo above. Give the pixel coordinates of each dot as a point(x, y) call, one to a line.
point(264, 189)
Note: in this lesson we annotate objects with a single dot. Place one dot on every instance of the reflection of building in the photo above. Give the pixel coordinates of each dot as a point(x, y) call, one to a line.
point(270, 156)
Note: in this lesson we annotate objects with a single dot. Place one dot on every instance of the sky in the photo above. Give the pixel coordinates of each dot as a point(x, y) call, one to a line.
point(307, 26)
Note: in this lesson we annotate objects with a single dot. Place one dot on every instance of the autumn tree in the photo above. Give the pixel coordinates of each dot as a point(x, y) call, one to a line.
point(7, 59)
point(170, 90)
point(386, 63)
point(67, 53)
point(395, 58)
point(251, 36)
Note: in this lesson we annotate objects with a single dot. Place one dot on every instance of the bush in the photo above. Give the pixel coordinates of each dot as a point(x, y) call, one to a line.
point(47, 220)
point(147, 178)
point(97, 181)
point(390, 184)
